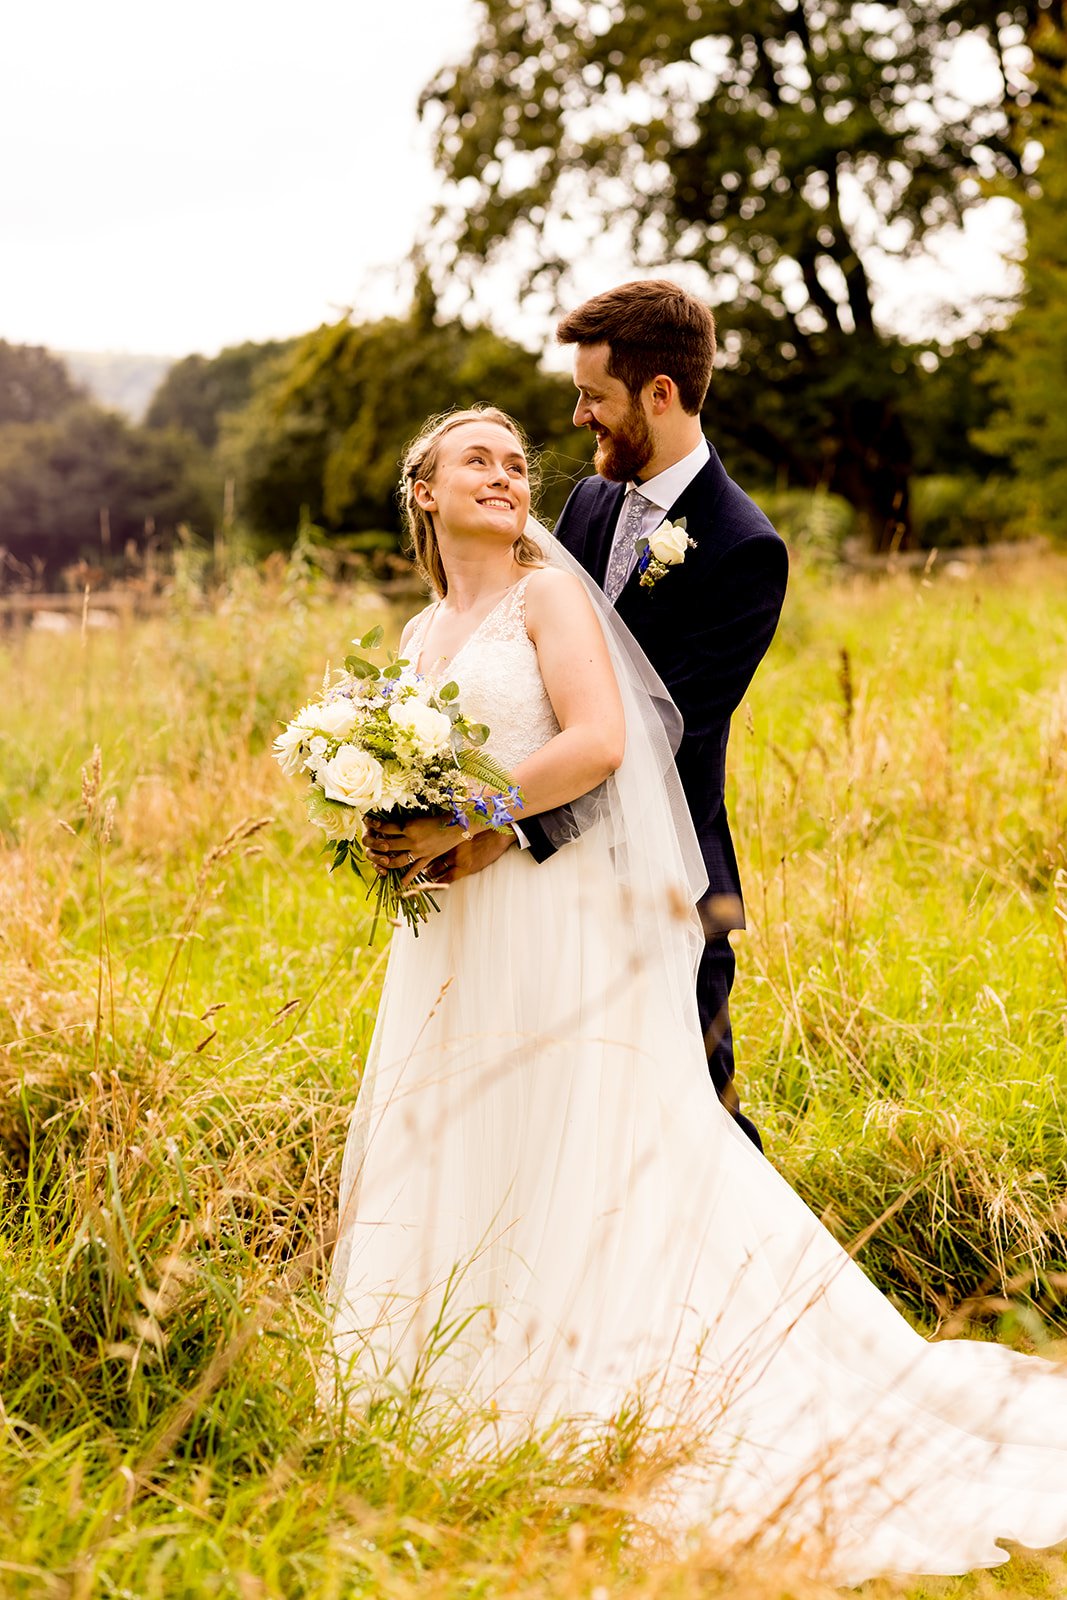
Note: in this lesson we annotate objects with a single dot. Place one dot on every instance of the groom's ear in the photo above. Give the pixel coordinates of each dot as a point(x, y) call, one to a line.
point(424, 495)
point(661, 391)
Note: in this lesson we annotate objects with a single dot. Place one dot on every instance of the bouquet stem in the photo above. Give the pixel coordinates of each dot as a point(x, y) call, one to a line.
point(392, 898)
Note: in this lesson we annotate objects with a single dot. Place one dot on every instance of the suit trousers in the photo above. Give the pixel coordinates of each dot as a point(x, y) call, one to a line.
point(715, 977)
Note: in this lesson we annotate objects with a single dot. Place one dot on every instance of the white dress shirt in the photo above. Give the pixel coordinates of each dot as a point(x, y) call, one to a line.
point(661, 492)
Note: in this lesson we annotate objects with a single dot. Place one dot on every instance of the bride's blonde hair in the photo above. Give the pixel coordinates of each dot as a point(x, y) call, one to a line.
point(420, 462)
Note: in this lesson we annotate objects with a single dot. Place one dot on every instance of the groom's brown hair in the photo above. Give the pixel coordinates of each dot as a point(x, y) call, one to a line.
point(651, 326)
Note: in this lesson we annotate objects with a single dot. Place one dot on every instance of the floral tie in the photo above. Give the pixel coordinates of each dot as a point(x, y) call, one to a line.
point(622, 551)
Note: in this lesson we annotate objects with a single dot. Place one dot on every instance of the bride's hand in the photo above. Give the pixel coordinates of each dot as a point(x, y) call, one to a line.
point(410, 845)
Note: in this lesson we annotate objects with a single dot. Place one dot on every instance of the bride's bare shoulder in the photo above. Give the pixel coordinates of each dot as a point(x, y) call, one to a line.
point(550, 585)
point(556, 599)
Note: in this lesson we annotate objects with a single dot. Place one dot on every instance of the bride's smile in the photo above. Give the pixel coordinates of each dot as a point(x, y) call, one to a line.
point(480, 484)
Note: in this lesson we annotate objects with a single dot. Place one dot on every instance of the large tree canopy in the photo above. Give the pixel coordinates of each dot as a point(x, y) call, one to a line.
point(1029, 369)
point(326, 429)
point(782, 147)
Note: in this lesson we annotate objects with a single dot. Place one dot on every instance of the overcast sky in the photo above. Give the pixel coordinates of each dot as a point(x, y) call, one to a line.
point(183, 177)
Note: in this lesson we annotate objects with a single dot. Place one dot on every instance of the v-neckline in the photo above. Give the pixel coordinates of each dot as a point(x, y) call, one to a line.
point(475, 631)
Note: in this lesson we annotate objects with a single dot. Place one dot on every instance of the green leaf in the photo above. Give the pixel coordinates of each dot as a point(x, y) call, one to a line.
point(392, 672)
point(371, 640)
point(449, 692)
point(360, 668)
point(476, 732)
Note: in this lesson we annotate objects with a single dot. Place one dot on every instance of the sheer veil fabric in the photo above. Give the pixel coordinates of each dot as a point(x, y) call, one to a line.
point(545, 1213)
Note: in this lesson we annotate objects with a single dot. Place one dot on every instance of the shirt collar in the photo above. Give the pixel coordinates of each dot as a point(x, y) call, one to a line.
point(665, 488)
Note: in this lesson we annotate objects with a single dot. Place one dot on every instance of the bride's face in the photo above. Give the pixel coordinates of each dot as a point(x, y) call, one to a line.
point(480, 483)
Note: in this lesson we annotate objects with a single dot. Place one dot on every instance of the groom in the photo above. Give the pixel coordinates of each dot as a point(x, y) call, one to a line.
point(642, 365)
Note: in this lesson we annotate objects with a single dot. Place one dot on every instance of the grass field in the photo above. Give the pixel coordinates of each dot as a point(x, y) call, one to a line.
point(185, 1002)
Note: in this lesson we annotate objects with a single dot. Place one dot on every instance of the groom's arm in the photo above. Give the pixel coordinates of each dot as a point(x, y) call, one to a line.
point(720, 659)
point(724, 650)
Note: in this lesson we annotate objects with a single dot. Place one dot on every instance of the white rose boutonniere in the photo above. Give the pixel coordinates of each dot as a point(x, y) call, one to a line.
point(666, 548)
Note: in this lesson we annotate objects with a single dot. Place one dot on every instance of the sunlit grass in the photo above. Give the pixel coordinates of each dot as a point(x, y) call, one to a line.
point(185, 1003)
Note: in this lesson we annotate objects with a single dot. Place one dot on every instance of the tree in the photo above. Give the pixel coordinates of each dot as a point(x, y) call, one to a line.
point(1028, 370)
point(783, 147)
point(199, 390)
point(57, 477)
point(35, 386)
point(327, 429)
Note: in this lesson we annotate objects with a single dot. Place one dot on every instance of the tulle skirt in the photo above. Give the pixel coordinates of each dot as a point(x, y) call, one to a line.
point(546, 1212)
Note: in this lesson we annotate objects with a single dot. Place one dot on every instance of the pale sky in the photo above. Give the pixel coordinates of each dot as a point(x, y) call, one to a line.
point(178, 178)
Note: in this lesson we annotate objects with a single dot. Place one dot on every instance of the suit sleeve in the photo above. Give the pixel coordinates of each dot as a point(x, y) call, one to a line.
point(737, 625)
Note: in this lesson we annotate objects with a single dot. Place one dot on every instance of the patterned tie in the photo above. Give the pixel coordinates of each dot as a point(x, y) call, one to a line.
point(622, 551)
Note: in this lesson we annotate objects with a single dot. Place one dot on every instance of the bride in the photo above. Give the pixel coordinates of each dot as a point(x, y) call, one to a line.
point(544, 1208)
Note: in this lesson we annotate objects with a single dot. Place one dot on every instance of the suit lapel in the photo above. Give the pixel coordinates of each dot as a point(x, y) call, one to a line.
point(696, 503)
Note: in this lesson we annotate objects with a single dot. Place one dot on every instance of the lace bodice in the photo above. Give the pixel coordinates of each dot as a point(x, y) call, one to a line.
point(499, 679)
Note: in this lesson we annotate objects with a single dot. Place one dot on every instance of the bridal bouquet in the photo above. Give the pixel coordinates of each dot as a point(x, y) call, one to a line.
point(387, 741)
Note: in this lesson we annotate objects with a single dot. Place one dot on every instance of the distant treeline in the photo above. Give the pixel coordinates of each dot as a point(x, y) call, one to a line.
point(266, 438)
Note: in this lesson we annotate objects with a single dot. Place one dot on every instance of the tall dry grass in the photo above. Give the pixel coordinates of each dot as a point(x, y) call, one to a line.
point(185, 1004)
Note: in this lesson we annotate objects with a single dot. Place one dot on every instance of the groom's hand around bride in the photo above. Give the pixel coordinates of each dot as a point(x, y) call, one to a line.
point(470, 856)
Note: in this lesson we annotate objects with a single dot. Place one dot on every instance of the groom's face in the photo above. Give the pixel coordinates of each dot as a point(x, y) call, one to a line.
point(624, 440)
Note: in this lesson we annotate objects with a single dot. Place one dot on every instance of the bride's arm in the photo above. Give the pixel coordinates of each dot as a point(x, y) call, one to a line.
point(580, 683)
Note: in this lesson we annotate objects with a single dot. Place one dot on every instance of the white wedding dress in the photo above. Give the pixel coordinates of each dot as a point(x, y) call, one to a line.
point(545, 1212)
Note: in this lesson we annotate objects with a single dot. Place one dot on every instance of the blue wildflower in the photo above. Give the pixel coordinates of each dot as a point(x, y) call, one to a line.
point(501, 815)
point(459, 818)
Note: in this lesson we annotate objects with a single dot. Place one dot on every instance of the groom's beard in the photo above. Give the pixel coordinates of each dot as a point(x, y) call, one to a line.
point(621, 454)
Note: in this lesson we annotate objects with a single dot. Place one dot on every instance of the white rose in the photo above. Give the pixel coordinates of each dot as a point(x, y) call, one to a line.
point(353, 777)
point(336, 821)
point(287, 749)
point(669, 544)
point(428, 731)
point(336, 718)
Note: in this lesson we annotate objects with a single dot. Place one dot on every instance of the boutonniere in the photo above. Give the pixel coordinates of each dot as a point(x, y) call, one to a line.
point(666, 548)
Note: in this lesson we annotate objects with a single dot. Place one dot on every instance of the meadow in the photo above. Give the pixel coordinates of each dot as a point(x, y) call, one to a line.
point(186, 998)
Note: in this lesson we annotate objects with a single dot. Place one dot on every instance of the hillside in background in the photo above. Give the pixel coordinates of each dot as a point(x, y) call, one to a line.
point(117, 379)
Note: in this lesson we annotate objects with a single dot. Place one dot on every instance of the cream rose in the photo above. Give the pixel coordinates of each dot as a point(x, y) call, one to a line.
point(668, 544)
point(336, 821)
point(353, 777)
point(428, 731)
point(335, 718)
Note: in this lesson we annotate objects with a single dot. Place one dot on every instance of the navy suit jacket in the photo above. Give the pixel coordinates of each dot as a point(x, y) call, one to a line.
point(705, 627)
